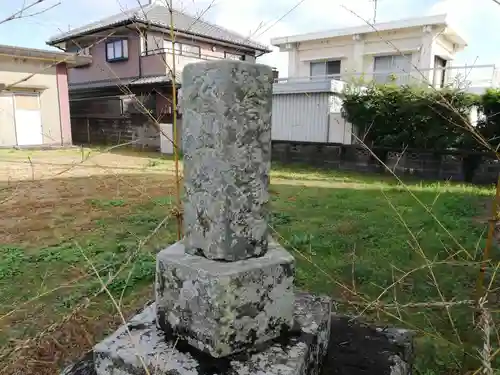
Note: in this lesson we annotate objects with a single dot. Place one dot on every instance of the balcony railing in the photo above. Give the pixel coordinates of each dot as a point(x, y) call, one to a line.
point(469, 78)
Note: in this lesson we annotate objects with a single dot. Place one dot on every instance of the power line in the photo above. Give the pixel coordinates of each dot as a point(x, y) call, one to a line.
point(283, 16)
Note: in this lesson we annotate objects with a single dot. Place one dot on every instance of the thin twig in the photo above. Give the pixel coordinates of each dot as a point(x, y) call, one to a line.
point(174, 124)
point(115, 304)
point(489, 241)
point(20, 13)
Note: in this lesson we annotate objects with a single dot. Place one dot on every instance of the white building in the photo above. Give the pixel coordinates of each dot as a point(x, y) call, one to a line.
point(307, 104)
point(417, 49)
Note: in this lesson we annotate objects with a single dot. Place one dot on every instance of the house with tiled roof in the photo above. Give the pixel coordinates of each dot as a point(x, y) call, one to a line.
point(133, 56)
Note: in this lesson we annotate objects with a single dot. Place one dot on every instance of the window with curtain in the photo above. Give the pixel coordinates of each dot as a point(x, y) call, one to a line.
point(399, 66)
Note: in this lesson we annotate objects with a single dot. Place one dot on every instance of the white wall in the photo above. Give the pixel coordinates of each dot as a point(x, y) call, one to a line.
point(357, 56)
point(311, 117)
point(442, 47)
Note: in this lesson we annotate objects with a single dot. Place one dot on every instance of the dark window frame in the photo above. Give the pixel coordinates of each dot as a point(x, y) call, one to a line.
point(333, 62)
point(122, 41)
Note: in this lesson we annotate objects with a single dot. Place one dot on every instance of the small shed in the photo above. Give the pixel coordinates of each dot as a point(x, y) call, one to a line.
point(309, 111)
point(34, 102)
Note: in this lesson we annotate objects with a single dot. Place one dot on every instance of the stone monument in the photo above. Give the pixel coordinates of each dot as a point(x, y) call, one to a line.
point(225, 302)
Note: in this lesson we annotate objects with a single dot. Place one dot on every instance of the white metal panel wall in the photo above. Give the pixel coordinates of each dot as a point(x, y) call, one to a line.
point(340, 130)
point(166, 136)
point(300, 117)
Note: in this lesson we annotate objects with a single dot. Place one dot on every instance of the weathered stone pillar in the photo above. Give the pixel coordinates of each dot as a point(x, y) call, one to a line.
point(227, 155)
point(225, 288)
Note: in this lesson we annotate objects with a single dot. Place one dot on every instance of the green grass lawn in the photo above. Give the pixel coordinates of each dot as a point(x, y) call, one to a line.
point(363, 238)
point(359, 238)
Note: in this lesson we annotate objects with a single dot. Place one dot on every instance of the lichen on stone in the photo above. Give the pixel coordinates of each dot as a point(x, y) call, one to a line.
point(225, 307)
point(227, 149)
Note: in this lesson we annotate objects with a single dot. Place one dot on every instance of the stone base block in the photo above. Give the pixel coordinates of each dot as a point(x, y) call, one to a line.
point(140, 345)
point(222, 308)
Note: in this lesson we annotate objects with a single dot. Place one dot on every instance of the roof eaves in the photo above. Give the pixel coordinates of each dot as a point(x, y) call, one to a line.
point(69, 36)
point(362, 29)
point(454, 37)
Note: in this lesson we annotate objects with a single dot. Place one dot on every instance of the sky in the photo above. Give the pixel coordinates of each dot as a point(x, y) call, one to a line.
point(476, 20)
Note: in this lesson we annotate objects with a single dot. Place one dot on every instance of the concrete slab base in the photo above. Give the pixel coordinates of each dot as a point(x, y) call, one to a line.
point(140, 345)
point(223, 308)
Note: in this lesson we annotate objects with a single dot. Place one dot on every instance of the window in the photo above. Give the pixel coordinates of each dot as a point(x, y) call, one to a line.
point(153, 44)
point(397, 66)
point(117, 50)
point(325, 68)
point(439, 71)
point(188, 50)
point(233, 56)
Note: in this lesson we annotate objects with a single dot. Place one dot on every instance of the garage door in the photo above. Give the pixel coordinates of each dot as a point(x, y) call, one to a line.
point(28, 119)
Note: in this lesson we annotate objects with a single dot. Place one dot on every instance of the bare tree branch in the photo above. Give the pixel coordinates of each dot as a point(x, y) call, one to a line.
point(20, 13)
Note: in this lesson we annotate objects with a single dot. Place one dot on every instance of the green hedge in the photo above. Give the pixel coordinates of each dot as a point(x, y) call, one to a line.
point(421, 118)
point(489, 126)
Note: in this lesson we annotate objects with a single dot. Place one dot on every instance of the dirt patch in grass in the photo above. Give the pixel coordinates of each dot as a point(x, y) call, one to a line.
point(46, 210)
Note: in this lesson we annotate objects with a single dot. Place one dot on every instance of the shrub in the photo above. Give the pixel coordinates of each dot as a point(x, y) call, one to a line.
point(489, 124)
point(409, 116)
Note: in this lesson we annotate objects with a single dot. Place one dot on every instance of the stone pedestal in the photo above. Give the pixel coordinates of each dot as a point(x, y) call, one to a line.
point(224, 307)
point(140, 345)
